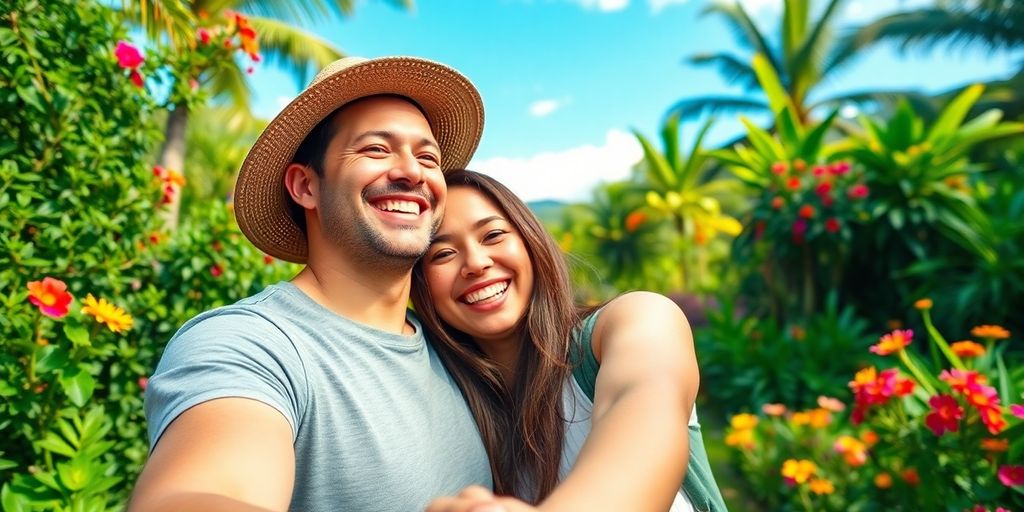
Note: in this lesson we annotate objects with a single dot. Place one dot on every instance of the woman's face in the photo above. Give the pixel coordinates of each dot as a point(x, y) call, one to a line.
point(477, 270)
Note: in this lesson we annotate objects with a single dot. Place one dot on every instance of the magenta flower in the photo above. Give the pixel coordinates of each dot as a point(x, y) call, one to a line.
point(128, 56)
point(1011, 476)
point(1017, 410)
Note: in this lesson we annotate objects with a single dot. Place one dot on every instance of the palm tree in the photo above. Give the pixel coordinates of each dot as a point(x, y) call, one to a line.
point(992, 25)
point(281, 39)
point(682, 188)
point(802, 61)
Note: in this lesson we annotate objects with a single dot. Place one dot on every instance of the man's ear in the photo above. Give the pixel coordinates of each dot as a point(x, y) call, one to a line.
point(303, 185)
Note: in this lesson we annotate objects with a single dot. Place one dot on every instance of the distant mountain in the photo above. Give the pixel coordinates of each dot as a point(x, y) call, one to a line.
point(549, 211)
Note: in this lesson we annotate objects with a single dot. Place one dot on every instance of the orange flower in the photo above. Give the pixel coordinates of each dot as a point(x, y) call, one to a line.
point(910, 476)
point(820, 418)
point(821, 486)
point(774, 409)
point(869, 437)
point(994, 332)
point(800, 418)
point(854, 452)
point(883, 480)
point(893, 342)
point(743, 421)
point(995, 445)
point(798, 471)
point(967, 348)
point(634, 220)
point(51, 296)
point(116, 319)
point(923, 304)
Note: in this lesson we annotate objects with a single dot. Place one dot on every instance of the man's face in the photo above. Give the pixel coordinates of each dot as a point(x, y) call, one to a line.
point(383, 191)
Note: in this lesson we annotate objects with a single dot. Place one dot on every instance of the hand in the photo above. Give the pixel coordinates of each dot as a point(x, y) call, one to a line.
point(477, 499)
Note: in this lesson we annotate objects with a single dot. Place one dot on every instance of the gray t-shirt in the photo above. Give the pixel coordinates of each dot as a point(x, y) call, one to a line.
point(377, 422)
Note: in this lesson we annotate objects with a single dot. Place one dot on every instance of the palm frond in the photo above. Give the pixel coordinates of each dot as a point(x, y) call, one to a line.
point(293, 49)
point(808, 58)
point(743, 27)
point(694, 107)
point(886, 100)
point(230, 87)
point(929, 27)
point(171, 17)
point(734, 69)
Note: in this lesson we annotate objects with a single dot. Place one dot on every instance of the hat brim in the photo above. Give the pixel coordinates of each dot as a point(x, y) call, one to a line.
point(450, 101)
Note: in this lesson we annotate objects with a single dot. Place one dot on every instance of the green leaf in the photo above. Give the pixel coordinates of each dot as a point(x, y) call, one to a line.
point(53, 357)
point(78, 386)
point(12, 501)
point(954, 113)
point(766, 75)
point(52, 442)
point(77, 333)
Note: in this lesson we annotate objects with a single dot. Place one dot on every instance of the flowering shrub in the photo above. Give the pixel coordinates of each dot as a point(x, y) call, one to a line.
point(933, 432)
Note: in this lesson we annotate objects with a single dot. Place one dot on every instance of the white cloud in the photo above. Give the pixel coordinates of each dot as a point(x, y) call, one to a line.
point(658, 5)
point(604, 5)
point(568, 175)
point(543, 108)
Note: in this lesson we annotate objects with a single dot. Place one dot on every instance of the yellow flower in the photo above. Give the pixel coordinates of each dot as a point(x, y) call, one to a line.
point(923, 304)
point(822, 486)
point(744, 438)
point(967, 348)
point(116, 319)
point(798, 471)
point(743, 421)
point(883, 480)
point(995, 332)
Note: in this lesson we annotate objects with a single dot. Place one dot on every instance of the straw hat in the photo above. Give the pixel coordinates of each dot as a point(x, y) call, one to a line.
point(451, 103)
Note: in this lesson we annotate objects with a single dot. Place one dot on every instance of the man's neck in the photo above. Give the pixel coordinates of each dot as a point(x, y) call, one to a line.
point(370, 296)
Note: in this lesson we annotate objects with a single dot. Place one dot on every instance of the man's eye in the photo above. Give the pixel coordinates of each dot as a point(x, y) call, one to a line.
point(430, 158)
point(375, 149)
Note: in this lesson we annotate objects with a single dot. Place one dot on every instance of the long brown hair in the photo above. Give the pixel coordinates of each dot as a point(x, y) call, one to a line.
point(522, 425)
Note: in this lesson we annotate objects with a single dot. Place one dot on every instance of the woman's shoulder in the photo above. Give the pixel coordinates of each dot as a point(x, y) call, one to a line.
point(634, 310)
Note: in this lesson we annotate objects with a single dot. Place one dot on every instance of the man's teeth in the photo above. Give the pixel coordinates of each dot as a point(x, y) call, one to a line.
point(486, 292)
point(393, 205)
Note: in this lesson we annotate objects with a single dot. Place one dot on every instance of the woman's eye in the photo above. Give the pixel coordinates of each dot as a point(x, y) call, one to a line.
point(442, 254)
point(494, 235)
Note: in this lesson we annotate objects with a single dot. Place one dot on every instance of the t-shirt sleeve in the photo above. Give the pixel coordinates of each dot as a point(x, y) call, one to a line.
point(234, 354)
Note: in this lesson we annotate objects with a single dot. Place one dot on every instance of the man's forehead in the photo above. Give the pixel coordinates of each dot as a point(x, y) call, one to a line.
point(392, 115)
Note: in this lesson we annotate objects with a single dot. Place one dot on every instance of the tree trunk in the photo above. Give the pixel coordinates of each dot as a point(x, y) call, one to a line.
point(172, 157)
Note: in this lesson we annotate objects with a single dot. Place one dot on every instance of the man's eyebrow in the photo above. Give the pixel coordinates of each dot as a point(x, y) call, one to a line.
point(476, 225)
point(391, 136)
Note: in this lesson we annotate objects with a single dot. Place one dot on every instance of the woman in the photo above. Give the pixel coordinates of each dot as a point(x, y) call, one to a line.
point(494, 292)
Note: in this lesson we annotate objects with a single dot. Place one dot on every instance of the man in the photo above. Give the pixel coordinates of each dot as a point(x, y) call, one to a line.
point(321, 393)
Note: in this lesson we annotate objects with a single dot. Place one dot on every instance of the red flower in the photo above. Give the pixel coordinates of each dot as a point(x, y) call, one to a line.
point(268, 259)
point(945, 416)
point(216, 271)
point(777, 203)
point(1011, 476)
point(840, 168)
point(819, 170)
point(780, 168)
point(806, 211)
point(143, 383)
point(832, 225)
point(634, 220)
point(128, 56)
point(51, 296)
point(858, 191)
point(204, 35)
point(136, 78)
point(823, 189)
point(793, 183)
point(799, 229)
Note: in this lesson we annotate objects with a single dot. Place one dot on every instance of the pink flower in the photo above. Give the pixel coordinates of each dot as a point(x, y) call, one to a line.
point(840, 168)
point(945, 416)
point(823, 189)
point(216, 271)
point(1017, 410)
point(204, 35)
point(893, 342)
point(143, 383)
point(128, 56)
point(193, 84)
point(1011, 476)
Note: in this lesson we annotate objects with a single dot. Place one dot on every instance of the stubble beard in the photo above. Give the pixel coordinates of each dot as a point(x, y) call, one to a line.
point(346, 229)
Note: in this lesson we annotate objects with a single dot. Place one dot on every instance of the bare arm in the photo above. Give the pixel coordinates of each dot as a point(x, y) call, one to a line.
point(230, 454)
point(635, 455)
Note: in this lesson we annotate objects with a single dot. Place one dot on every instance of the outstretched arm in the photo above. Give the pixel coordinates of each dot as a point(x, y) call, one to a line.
point(229, 454)
point(635, 456)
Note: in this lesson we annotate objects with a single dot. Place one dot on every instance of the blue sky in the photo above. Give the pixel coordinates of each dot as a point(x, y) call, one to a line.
point(564, 81)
